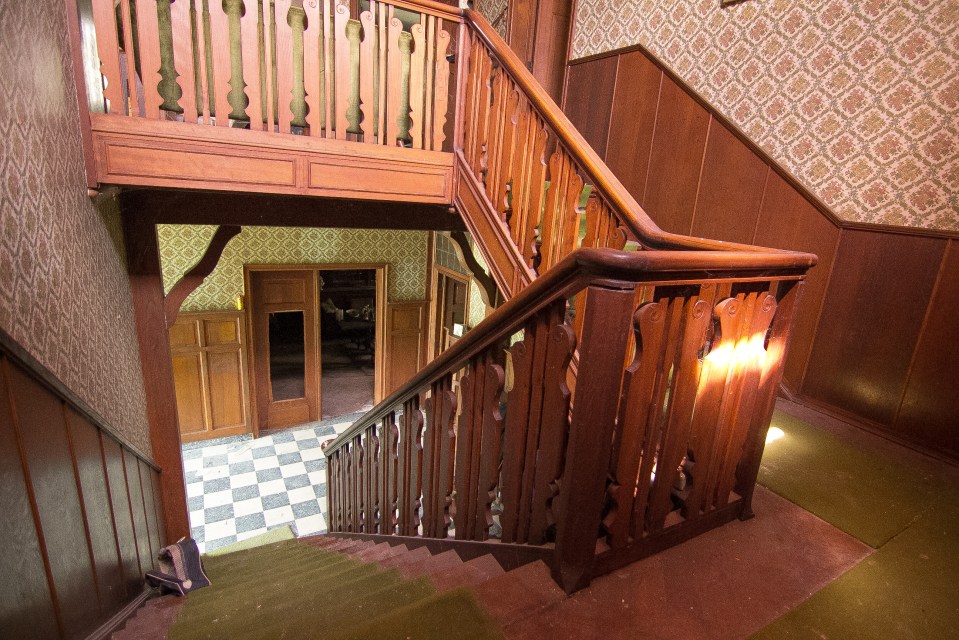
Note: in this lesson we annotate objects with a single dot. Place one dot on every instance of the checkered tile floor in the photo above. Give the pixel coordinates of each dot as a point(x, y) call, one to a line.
point(239, 487)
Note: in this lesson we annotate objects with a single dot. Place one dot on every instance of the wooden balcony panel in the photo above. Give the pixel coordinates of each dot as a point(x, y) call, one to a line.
point(142, 152)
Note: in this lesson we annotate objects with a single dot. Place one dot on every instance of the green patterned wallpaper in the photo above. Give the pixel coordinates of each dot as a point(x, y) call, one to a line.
point(181, 246)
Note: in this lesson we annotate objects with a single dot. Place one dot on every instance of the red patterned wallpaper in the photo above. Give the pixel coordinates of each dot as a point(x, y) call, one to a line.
point(857, 99)
point(64, 294)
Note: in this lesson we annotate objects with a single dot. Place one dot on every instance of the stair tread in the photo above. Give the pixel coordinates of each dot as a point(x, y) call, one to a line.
point(433, 565)
point(418, 554)
point(523, 590)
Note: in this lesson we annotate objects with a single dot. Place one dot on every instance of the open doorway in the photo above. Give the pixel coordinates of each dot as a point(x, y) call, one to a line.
point(348, 337)
point(316, 333)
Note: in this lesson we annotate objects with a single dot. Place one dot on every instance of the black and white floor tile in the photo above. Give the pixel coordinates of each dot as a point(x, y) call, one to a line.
point(239, 487)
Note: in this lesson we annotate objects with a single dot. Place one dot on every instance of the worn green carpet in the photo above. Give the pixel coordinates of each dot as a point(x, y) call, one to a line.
point(293, 590)
point(271, 536)
point(867, 494)
point(907, 508)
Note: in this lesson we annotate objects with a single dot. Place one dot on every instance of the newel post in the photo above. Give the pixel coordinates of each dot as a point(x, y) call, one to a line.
point(602, 352)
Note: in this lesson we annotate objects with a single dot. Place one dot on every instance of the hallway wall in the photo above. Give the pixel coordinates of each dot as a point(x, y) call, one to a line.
point(182, 245)
point(858, 100)
point(64, 294)
point(874, 335)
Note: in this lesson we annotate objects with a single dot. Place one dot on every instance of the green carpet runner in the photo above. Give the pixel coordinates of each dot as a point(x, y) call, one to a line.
point(294, 590)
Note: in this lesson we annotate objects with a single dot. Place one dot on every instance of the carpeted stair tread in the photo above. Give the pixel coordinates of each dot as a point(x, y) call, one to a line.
point(418, 554)
point(453, 615)
point(236, 597)
point(518, 592)
point(303, 616)
point(469, 574)
point(379, 552)
point(435, 564)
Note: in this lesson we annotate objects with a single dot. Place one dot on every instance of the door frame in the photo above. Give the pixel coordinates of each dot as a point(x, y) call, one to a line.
point(379, 373)
point(436, 303)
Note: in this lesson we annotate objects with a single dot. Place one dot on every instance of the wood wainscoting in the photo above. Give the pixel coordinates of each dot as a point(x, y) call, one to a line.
point(874, 337)
point(210, 374)
point(81, 508)
point(406, 336)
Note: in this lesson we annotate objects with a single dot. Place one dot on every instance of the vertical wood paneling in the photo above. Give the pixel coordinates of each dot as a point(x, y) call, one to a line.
point(731, 189)
point(123, 519)
point(146, 484)
point(589, 98)
point(26, 606)
point(788, 221)
point(632, 120)
point(676, 159)
point(96, 501)
point(46, 452)
point(870, 324)
point(930, 405)
point(135, 492)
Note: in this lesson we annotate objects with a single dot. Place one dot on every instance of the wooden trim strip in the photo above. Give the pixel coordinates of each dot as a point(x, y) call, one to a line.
point(106, 629)
point(12, 349)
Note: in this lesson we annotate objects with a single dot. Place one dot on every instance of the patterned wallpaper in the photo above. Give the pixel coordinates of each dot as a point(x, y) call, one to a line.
point(64, 294)
point(495, 12)
point(859, 100)
point(182, 245)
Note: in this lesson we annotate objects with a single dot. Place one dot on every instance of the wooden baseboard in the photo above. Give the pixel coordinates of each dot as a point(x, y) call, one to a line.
point(121, 616)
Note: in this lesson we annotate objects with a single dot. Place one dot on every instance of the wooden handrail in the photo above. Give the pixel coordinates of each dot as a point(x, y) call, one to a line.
point(577, 269)
point(630, 211)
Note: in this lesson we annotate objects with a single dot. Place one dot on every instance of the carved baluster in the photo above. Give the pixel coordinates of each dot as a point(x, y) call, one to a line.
point(428, 72)
point(410, 470)
point(368, 74)
point(149, 47)
point(466, 451)
point(488, 460)
point(181, 17)
point(494, 147)
point(523, 421)
point(359, 459)
point(772, 371)
point(381, 77)
point(484, 96)
point(552, 214)
point(284, 66)
point(250, 46)
point(570, 215)
point(507, 153)
point(416, 86)
point(691, 318)
point(388, 474)
point(108, 54)
point(394, 80)
point(371, 480)
point(472, 99)
point(758, 309)
point(537, 187)
point(553, 432)
point(441, 68)
point(297, 23)
point(327, 64)
point(348, 496)
point(133, 93)
point(342, 74)
point(312, 67)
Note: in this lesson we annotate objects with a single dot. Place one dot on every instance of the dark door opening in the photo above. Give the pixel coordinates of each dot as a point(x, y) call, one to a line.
point(348, 338)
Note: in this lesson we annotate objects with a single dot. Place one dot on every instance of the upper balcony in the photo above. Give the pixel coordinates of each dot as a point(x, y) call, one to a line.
point(281, 96)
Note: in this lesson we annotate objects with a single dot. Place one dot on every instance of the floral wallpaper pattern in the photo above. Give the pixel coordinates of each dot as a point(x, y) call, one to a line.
point(64, 293)
point(495, 12)
point(181, 246)
point(859, 100)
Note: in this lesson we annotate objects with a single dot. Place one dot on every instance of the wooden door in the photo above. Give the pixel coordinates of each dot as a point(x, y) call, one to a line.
point(210, 374)
point(451, 303)
point(286, 359)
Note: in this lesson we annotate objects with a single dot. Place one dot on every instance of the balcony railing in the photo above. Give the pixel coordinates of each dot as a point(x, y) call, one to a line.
point(292, 66)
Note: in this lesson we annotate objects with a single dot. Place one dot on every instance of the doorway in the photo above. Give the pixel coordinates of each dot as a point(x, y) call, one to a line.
point(348, 337)
point(451, 295)
point(316, 333)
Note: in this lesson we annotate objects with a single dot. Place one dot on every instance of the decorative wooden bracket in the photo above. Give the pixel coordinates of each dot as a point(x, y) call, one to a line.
point(195, 276)
point(483, 279)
